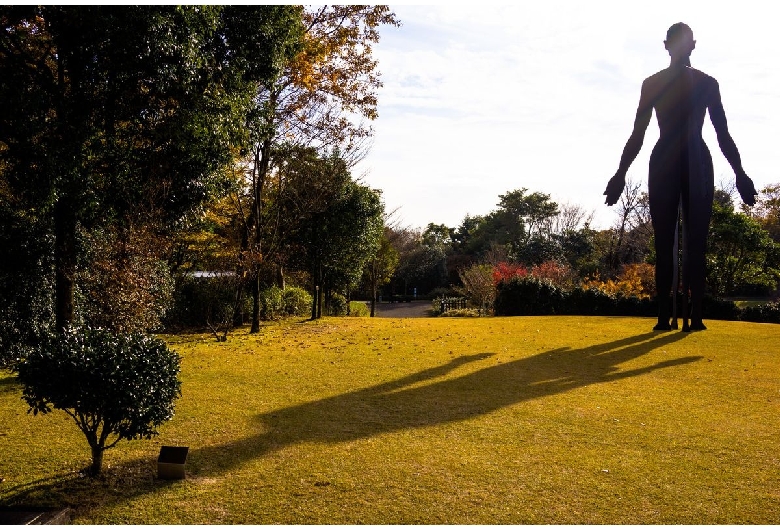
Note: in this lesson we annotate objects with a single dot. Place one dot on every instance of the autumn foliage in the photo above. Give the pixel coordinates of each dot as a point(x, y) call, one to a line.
point(635, 279)
point(560, 274)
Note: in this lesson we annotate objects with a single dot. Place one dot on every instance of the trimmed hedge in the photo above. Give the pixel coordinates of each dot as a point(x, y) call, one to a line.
point(532, 296)
point(767, 313)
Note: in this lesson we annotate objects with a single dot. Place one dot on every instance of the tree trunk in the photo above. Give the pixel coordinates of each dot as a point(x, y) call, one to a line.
point(97, 461)
point(373, 287)
point(262, 165)
point(314, 299)
point(255, 304)
point(280, 281)
point(238, 302)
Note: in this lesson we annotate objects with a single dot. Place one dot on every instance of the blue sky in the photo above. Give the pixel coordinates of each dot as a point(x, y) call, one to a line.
point(479, 100)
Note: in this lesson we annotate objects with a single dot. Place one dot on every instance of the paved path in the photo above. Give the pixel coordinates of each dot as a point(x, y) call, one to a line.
point(404, 309)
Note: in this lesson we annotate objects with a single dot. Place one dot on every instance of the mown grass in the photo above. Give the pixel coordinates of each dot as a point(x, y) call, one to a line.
point(492, 420)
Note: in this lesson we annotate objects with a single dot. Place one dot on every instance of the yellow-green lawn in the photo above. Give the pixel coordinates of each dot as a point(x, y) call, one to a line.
point(491, 420)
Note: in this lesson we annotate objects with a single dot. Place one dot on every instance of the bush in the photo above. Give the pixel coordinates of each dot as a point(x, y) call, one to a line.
point(634, 280)
point(767, 313)
point(297, 302)
point(590, 301)
point(461, 313)
point(125, 283)
point(716, 308)
point(528, 296)
point(560, 274)
point(337, 305)
point(114, 386)
point(205, 302)
point(531, 296)
point(359, 309)
point(271, 304)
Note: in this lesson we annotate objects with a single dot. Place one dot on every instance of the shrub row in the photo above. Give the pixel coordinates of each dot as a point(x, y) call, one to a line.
point(199, 301)
point(276, 303)
point(533, 296)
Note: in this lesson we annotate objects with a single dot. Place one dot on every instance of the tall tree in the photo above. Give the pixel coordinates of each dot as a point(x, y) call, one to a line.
point(111, 114)
point(334, 224)
point(767, 210)
point(325, 98)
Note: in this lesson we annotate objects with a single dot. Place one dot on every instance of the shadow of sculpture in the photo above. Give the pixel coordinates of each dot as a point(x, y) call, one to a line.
point(423, 399)
point(680, 181)
point(433, 397)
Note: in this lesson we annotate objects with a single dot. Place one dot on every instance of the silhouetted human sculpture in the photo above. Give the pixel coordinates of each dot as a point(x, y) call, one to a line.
point(681, 173)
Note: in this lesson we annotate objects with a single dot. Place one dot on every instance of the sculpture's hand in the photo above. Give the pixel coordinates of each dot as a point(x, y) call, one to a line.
point(746, 188)
point(614, 188)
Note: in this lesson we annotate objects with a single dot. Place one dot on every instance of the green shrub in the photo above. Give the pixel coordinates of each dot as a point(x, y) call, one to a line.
point(531, 296)
point(717, 308)
point(271, 303)
point(590, 301)
point(359, 309)
point(114, 386)
point(204, 302)
point(528, 296)
point(337, 305)
point(297, 302)
point(767, 313)
point(461, 313)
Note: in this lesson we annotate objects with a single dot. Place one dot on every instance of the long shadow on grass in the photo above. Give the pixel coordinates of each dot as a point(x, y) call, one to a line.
point(429, 398)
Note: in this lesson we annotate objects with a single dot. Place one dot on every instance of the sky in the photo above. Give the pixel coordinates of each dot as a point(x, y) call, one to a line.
point(482, 99)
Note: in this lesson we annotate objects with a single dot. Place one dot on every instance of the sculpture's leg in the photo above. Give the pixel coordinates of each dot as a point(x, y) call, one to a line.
point(664, 197)
point(663, 277)
point(697, 263)
point(676, 270)
point(664, 220)
point(696, 222)
point(686, 274)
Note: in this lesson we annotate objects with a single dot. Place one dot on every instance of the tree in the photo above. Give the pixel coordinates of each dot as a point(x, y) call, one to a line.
point(118, 114)
point(631, 235)
point(532, 214)
point(333, 224)
point(115, 387)
point(767, 210)
point(478, 285)
point(380, 268)
point(741, 257)
point(523, 224)
point(125, 283)
point(324, 98)
point(422, 261)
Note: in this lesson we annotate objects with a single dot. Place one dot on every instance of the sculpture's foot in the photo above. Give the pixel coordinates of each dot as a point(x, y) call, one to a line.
point(662, 326)
point(698, 326)
point(674, 324)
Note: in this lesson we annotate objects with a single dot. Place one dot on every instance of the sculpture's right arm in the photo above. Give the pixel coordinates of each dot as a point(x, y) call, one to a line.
point(634, 144)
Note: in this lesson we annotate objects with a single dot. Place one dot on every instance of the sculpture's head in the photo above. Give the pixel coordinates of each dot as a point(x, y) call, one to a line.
point(679, 43)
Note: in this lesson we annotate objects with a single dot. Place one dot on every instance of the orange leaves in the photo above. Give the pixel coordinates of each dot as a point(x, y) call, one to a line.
point(636, 279)
point(330, 87)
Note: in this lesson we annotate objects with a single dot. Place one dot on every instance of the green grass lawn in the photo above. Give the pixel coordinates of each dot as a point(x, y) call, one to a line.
point(492, 420)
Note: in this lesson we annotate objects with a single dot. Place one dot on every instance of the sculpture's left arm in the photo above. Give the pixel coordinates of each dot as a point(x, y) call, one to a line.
point(727, 146)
